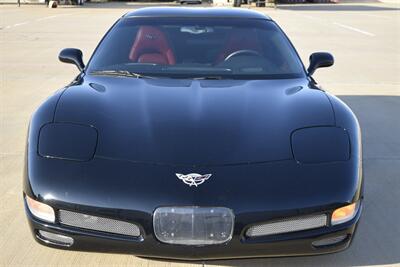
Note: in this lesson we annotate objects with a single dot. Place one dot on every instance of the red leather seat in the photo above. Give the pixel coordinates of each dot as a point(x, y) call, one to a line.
point(240, 40)
point(151, 46)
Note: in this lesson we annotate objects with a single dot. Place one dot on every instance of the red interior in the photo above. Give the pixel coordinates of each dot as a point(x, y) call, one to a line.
point(240, 40)
point(151, 46)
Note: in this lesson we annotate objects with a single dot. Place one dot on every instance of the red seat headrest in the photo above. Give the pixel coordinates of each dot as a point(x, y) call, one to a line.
point(151, 46)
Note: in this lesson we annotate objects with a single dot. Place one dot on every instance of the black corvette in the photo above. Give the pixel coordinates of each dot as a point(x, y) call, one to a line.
point(194, 134)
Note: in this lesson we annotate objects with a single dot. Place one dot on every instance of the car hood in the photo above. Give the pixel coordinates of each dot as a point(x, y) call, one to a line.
point(194, 122)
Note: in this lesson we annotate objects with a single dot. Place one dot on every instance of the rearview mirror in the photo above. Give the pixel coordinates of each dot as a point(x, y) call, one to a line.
point(72, 56)
point(319, 60)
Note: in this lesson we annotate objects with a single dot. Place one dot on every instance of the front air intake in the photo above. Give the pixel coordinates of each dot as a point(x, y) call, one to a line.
point(288, 225)
point(96, 223)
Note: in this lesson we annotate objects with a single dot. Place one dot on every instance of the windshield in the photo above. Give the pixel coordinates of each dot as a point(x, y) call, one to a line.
point(202, 48)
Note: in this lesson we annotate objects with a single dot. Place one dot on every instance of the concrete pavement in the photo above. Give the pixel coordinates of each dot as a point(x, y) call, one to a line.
point(365, 39)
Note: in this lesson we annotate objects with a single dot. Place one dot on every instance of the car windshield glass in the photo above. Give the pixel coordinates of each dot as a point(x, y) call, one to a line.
point(201, 48)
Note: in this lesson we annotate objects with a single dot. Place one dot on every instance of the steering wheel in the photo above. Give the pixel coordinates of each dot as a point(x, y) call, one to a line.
point(242, 52)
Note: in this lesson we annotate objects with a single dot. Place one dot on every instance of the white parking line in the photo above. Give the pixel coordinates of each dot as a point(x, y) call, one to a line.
point(45, 18)
point(353, 29)
point(19, 24)
point(54, 16)
point(36, 20)
point(336, 23)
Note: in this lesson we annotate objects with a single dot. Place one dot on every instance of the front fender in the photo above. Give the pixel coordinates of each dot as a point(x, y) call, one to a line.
point(43, 115)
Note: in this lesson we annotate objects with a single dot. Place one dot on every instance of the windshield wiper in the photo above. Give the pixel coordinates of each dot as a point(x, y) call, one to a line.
point(122, 73)
point(208, 78)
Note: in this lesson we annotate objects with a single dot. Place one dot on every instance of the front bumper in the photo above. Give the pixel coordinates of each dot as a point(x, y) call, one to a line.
point(289, 244)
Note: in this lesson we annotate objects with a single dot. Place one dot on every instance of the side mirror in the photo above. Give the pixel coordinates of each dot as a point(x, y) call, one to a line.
point(319, 60)
point(72, 56)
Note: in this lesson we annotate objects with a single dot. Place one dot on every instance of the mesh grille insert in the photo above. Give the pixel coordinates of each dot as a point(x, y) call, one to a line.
point(288, 225)
point(98, 223)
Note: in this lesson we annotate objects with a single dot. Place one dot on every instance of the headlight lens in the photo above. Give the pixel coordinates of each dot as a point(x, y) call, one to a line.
point(344, 214)
point(40, 210)
point(67, 141)
point(320, 144)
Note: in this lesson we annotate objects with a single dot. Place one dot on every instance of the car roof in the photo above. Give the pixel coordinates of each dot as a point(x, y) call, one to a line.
point(197, 12)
